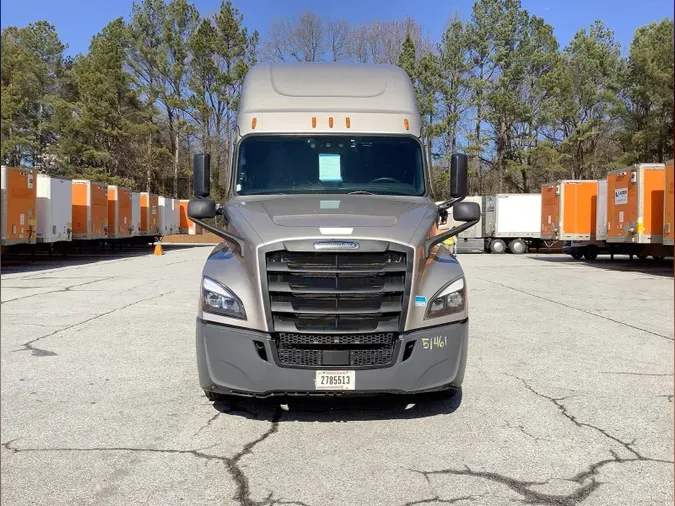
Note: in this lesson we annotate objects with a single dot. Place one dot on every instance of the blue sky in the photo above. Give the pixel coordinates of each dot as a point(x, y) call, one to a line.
point(78, 20)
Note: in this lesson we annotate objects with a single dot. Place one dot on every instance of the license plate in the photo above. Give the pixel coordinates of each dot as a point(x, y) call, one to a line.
point(334, 380)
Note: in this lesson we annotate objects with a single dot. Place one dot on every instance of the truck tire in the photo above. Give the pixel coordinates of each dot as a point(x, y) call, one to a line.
point(642, 257)
point(577, 255)
point(518, 247)
point(591, 252)
point(497, 246)
point(658, 258)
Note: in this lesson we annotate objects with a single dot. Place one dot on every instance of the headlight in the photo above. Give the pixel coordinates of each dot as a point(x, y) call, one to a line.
point(219, 300)
point(450, 300)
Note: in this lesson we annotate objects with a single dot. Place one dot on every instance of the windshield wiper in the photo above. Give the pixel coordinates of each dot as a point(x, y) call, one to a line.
point(361, 192)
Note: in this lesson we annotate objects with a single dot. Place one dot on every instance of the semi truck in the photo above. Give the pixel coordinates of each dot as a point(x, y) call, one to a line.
point(509, 223)
point(511, 220)
point(332, 278)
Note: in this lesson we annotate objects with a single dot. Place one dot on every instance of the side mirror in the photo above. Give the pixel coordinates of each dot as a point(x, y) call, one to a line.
point(200, 209)
point(202, 175)
point(458, 176)
point(466, 211)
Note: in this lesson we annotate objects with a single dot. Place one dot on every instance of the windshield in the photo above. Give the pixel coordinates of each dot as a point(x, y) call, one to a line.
point(330, 164)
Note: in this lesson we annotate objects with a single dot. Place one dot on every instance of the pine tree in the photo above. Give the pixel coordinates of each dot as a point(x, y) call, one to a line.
point(32, 65)
point(588, 82)
point(647, 92)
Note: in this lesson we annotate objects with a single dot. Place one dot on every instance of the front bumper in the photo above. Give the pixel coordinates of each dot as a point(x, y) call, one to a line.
point(229, 363)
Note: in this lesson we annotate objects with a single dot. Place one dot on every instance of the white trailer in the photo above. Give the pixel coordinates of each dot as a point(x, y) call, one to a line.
point(165, 215)
point(54, 209)
point(175, 208)
point(135, 213)
point(511, 220)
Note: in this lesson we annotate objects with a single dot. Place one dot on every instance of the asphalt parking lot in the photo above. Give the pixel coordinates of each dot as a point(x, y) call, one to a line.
point(567, 398)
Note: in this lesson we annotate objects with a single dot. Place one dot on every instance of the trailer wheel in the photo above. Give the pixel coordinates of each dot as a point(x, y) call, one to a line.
point(658, 258)
point(518, 247)
point(642, 257)
point(576, 254)
point(591, 253)
point(497, 246)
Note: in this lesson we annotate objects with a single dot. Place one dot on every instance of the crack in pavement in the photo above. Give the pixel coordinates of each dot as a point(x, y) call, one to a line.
point(523, 488)
point(563, 410)
point(243, 495)
point(577, 309)
point(208, 423)
point(522, 429)
point(271, 501)
point(637, 373)
point(437, 499)
point(64, 289)
point(585, 479)
point(232, 464)
point(28, 346)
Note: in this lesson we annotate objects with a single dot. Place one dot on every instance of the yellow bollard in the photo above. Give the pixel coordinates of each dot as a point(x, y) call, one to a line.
point(158, 249)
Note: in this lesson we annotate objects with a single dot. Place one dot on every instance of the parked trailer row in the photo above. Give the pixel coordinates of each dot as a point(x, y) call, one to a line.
point(37, 208)
point(629, 212)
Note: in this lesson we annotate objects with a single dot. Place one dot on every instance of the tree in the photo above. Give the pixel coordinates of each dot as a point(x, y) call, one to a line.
point(647, 93)
point(32, 65)
point(302, 41)
point(222, 51)
point(530, 158)
point(158, 58)
point(424, 76)
point(587, 97)
point(338, 38)
point(454, 71)
point(481, 52)
point(104, 118)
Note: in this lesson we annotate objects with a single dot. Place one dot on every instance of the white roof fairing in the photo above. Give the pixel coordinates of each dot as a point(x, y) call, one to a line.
point(283, 98)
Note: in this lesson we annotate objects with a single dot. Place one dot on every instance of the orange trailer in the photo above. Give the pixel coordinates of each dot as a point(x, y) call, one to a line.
point(119, 212)
point(149, 214)
point(19, 206)
point(187, 226)
point(90, 210)
point(635, 198)
point(568, 210)
point(669, 206)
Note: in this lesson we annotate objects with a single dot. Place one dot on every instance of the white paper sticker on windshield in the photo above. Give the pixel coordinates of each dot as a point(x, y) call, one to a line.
point(330, 204)
point(329, 168)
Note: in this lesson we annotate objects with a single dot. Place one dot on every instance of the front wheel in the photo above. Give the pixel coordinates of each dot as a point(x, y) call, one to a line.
point(497, 246)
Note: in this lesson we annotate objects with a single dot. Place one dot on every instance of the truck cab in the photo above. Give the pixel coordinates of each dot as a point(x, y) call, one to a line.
point(332, 277)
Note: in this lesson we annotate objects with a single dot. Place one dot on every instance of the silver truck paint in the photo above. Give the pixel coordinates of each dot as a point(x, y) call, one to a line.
point(310, 261)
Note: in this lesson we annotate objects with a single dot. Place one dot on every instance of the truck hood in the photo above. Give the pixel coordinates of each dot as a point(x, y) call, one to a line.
point(274, 218)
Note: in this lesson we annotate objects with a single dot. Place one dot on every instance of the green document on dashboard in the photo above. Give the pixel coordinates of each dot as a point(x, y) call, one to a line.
point(329, 168)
